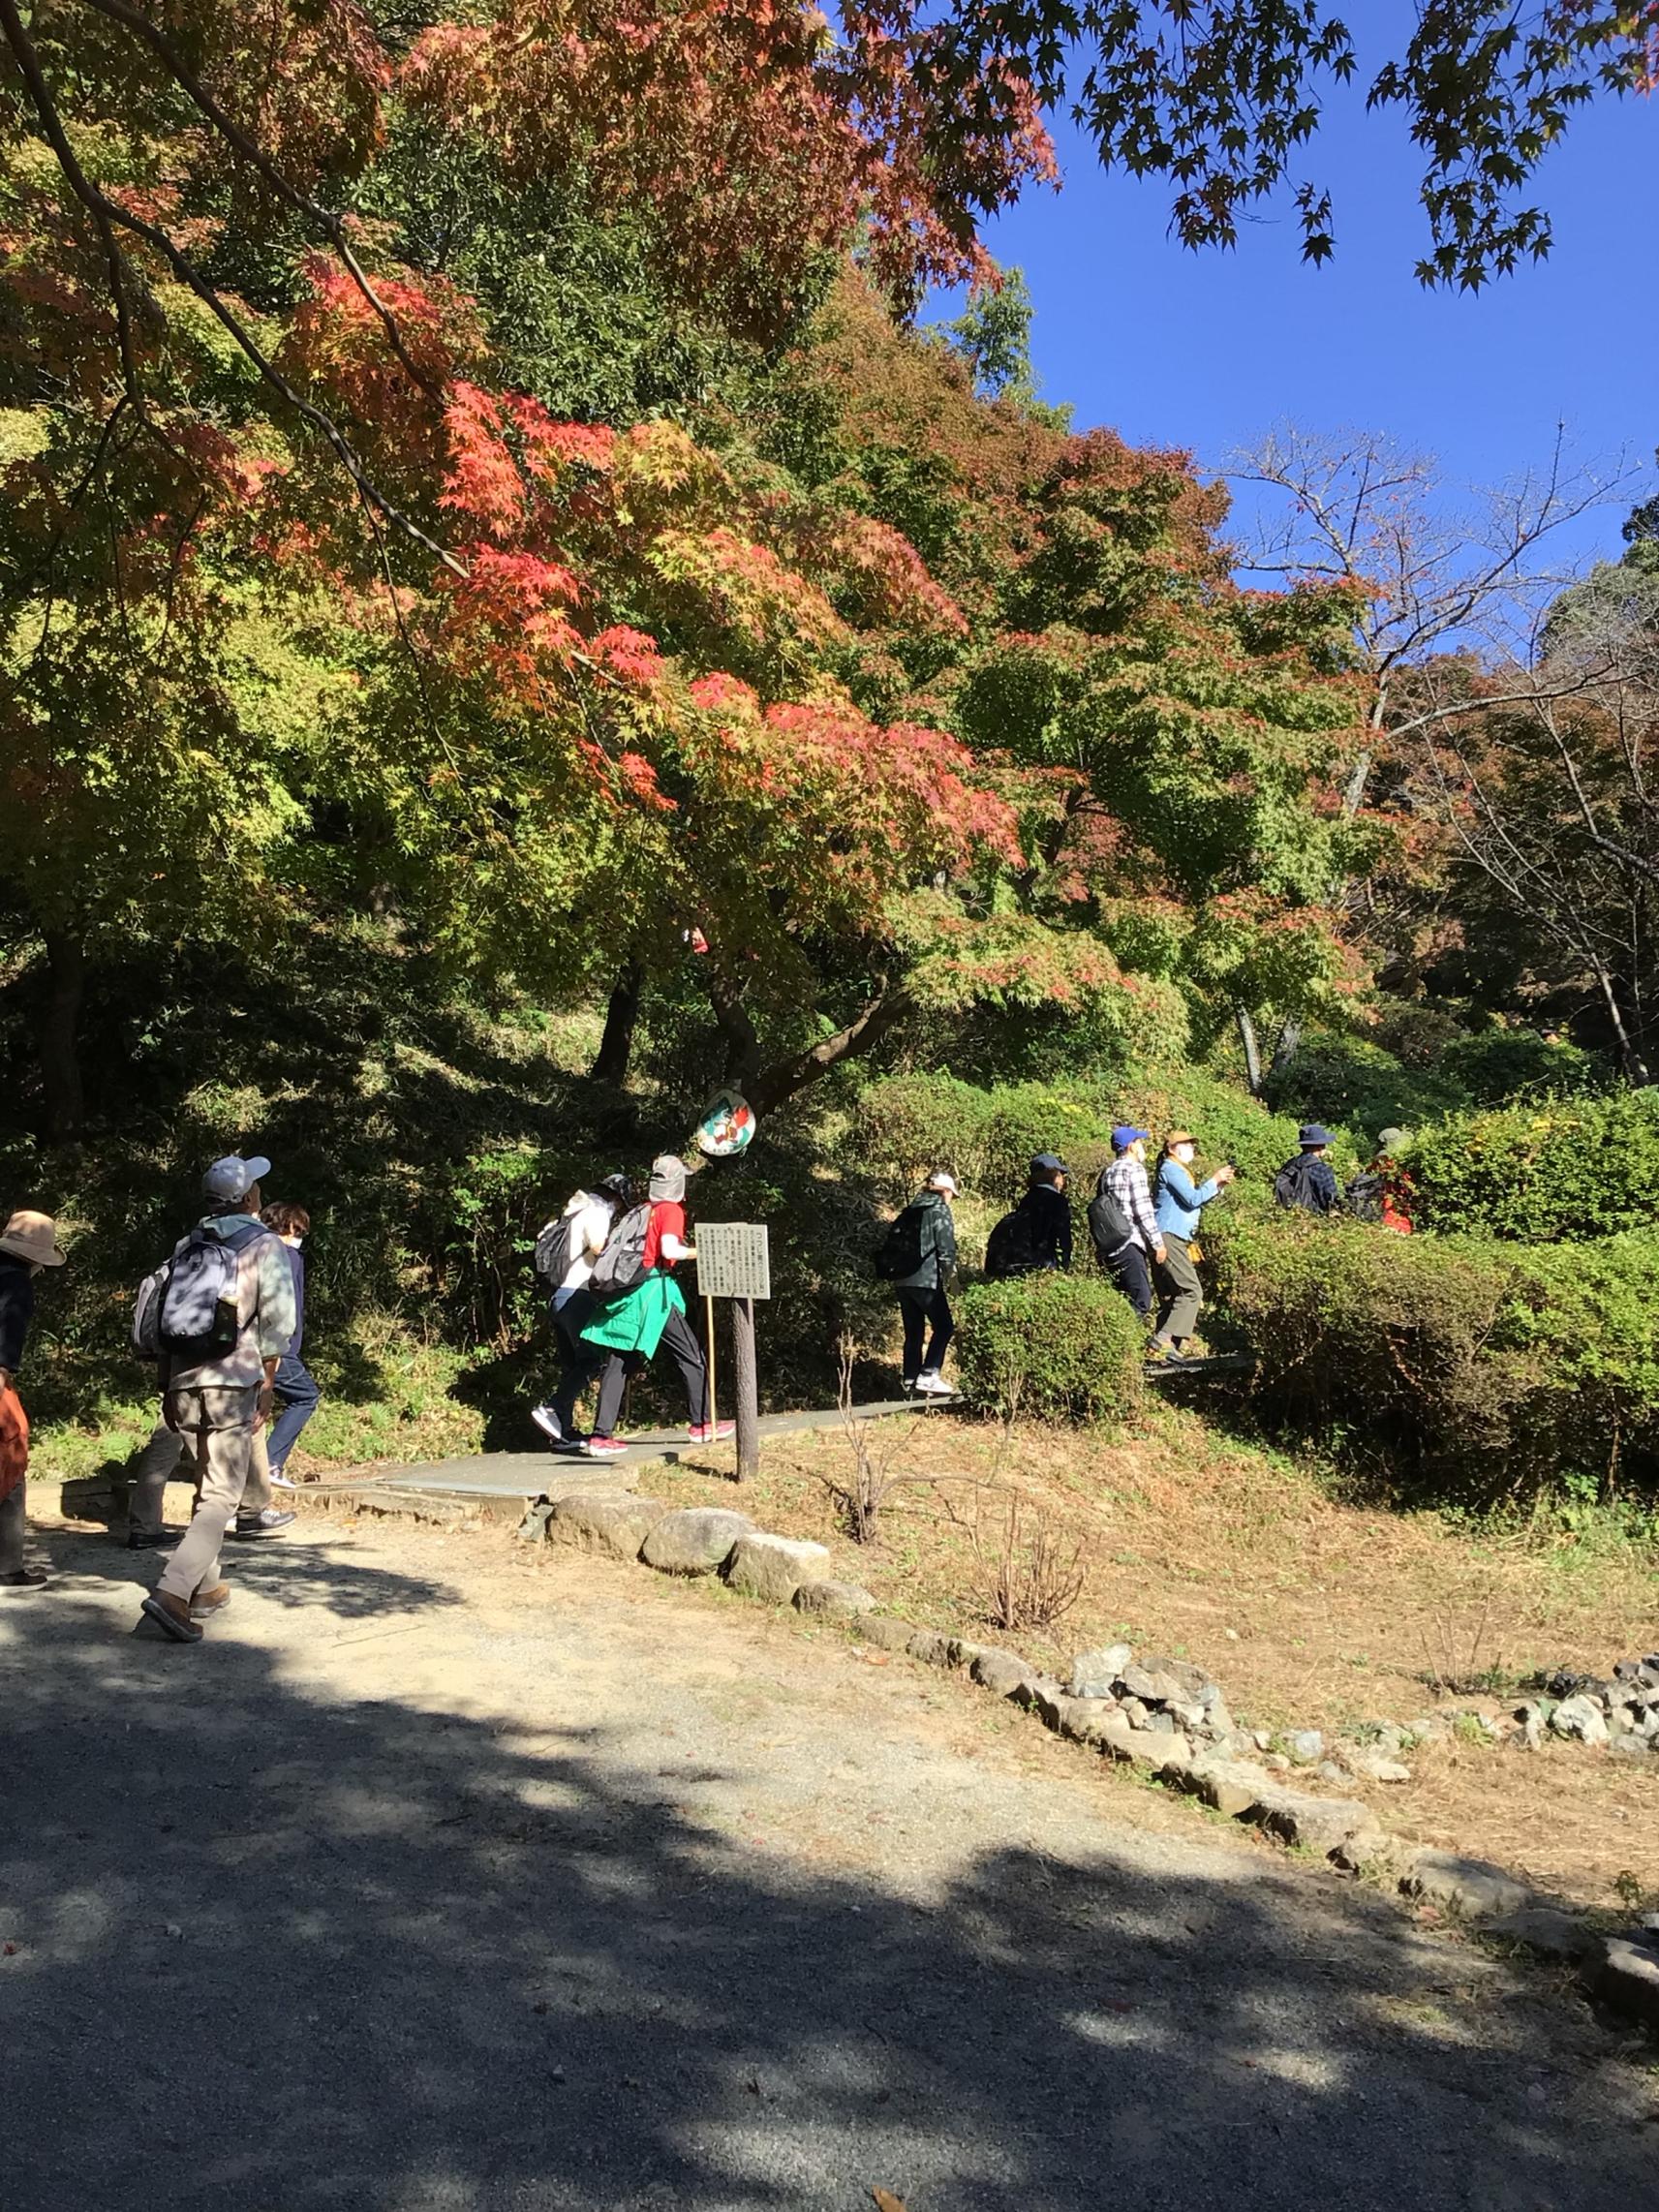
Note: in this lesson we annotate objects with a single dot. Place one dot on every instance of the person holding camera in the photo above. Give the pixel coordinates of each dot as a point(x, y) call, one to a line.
point(1179, 1204)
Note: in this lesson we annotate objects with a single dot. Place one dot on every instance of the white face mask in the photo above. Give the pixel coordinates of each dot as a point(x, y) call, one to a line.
point(295, 1241)
point(1185, 1153)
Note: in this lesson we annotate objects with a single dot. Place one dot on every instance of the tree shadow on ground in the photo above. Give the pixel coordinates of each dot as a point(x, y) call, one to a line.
point(283, 1568)
point(277, 1949)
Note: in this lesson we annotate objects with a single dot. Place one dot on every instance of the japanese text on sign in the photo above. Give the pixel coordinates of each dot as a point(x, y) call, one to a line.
point(733, 1260)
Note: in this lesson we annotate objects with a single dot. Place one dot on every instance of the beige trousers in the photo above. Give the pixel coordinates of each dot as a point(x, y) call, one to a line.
point(222, 1435)
point(163, 1460)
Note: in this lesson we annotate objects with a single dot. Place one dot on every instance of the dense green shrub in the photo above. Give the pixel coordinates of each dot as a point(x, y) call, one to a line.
point(1062, 1347)
point(1567, 1168)
point(1493, 1067)
point(1351, 1081)
point(1474, 1368)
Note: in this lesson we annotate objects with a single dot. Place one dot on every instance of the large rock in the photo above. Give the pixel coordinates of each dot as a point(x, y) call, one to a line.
point(962, 1651)
point(694, 1540)
point(931, 1647)
point(773, 1567)
point(842, 1601)
point(1580, 1718)
point(604, 1520)
point(1471, 1885)
point(1629, 1980)
point(1155, 1683)
point(1094, 1673)
point(1549, 1933)
point(1001, 1671)
point(1232, 1786)
point(882, 1629)
point(1320, 1825)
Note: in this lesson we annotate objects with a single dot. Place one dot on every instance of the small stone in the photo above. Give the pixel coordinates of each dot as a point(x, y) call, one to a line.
point(1231, 1634)
point(773, 1567)
point(928, 1647)
point(1191, 1718)
point(1231, 1785)
point(1373, 1765)
point(616, 1521)
point(1002, 1673)
point(1328, 1770)
point(1580, 1718)
point(1082, 1720)
point(174, 1930)
point(1469, 1886)
point(1134, 1713)
point(1262, 1739)
point(1306, 1744)
point(1153, 1685)
point(694, 1540)
point(1549, 1933)
point(1276, 1761)
point(882, 1629)
point(1094, 1673)
point(1628, 1980)
point(842, 1601)
point(1217, 1720)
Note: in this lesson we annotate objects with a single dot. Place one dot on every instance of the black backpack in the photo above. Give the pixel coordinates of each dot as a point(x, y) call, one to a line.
point(1364, 1197)
point(1296, 1185)
point(556, 1244)
point(1011, 1249)
point(621, 1266)
point(1109, 1226)
point(900, 1253)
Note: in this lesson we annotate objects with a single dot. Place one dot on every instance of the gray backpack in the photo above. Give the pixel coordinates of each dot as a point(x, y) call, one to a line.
point(191, 1307)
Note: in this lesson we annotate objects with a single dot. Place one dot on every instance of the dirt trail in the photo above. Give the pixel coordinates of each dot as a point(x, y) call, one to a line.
point(448, 1877)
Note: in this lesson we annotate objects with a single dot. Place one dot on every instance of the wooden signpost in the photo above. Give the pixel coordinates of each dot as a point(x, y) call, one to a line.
point(734, 1261)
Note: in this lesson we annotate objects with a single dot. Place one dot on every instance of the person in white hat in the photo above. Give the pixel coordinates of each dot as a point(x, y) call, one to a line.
point(927, 1230)
point(217, 1395)
point(27, 1245)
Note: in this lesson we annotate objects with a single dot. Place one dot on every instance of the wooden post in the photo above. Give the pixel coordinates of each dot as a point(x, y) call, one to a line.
point(709, 1310)
point(744, 1389)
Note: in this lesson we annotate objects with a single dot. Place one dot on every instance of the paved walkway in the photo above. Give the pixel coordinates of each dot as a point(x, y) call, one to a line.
point(452, 1876)
point(546, 1473)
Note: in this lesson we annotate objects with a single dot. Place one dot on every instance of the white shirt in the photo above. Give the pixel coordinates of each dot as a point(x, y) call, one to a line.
point(593, 1226)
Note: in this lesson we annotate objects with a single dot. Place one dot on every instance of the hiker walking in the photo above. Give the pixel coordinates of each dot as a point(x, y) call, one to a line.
point(1385, 1192)
point(298, 1395)
point(1127, 1239)
point(639, 1308)
point(567, 1252)
point(27, 1245)
point(1035, 1237)
point(1307, 1184)
point(1178, 1207)
point(225, 1316)
point(918, 1258)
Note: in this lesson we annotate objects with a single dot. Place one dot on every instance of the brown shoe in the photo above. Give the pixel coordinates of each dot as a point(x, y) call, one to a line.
point(171, 1616)
point(207, 1601)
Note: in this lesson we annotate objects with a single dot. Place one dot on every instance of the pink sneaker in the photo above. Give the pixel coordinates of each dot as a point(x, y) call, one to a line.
point(715, 1433)
point(604, 1447)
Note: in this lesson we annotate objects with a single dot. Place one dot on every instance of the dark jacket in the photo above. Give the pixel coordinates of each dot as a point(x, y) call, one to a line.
point(1051, 1224)
point(297, 1266)
point(1320, 1192)
point(17, 1309)
point(938, 1245)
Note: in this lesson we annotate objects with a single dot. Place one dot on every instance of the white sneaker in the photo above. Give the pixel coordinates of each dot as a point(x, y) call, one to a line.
point(932, 1384)
point(547, 1421)
point(283, 1481)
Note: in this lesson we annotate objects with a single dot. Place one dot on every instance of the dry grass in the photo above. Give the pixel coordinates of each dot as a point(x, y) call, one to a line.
point(1309, 1612)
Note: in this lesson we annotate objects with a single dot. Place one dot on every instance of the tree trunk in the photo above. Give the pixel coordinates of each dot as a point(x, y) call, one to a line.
point(60, 1061)
point(621, 1016)
point(1253, 1051)
point(769, 1086)
point(1285, 1051)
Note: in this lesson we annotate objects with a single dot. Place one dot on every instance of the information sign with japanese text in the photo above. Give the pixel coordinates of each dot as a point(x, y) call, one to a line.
point(733, 1260)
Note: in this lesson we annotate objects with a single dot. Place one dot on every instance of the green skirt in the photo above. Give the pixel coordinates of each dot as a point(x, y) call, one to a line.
point(635, 1321)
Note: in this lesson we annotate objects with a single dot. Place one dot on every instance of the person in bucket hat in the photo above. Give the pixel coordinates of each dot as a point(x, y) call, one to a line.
point(1308, 1183)
point(27, 1245)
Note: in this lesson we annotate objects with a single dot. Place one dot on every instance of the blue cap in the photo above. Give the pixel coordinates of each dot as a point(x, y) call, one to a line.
point(1311, 1134)
point(232, 1176)
point(1124, 1136)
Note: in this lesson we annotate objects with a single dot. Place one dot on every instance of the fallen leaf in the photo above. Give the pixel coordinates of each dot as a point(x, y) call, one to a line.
point(886, 2201)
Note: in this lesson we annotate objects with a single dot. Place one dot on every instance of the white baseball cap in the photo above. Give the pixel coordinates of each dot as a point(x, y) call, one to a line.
point(233, 1176)
point(942, 1179)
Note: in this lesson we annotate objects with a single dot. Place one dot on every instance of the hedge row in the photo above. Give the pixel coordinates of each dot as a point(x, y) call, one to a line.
point(1058, 1347)
point(1556, 1168)
point(1477, 1369)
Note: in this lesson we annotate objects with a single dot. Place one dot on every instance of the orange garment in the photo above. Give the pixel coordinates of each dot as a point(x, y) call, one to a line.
point(13, 1441)
point(1398, 1192)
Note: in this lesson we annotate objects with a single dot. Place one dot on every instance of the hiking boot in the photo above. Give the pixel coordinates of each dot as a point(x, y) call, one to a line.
point(548, 1421)
point(25, 1578)
point(152, 1539)
point(269, 1522)
point(604, 1447)
point(713, 1432)
point(206, 1603)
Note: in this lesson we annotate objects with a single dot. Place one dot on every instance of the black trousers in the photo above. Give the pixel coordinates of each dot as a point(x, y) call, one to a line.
point(1129, 1270)
point(922, 1310)
point(680, 1342)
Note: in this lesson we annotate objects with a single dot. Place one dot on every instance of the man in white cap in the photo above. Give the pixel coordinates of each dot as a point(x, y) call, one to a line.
point(217, 1381)
point(27, 1243)
point(923, 1306)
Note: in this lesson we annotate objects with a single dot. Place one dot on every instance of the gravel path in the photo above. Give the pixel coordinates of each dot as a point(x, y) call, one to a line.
point(451, 1877)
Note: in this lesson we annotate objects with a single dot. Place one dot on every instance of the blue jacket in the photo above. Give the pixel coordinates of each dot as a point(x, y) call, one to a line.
point(1180, 1203)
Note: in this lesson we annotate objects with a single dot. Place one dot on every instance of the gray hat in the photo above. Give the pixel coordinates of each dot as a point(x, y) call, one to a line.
point(1313, 1137)
point(233, 1176)
point(667, 1178)
point(1390, 1140)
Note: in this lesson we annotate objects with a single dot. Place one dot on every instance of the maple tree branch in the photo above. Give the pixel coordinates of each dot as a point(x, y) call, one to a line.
point(117, 11)
point(108, 215)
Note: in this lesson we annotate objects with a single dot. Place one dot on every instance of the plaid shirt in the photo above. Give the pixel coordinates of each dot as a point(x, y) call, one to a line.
point(1126, 1180)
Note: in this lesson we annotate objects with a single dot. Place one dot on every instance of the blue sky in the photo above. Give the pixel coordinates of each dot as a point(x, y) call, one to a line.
point(1207, 350)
